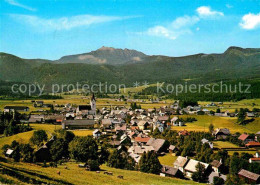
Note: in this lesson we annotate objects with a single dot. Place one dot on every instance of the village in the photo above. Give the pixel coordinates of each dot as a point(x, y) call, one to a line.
point(131, 133)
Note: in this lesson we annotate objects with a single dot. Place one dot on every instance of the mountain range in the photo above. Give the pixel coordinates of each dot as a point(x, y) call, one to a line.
point(112, 65)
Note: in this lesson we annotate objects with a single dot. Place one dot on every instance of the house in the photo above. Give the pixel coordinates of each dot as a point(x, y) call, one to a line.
point(203, 141)
point(183, 133)
point(180, 163)
point(78, 124)
point(171, 171)
point(143, 125)
point(9, 153)
point(142, 140)
point(106, 123)
point(216, 165)
point(139, 150)
point(249, 177)
point(96, 133)
point(172, 148)
point(157, 144)
point(158, 125)
point(36, 119)
point(175, 121)
point(245, 138)
point(255, 159)
point(120, 128)
point(250, 114)
point(221, 133)
point(125, 140)
point(38, 103)
point(114, 143)
point(215, 174)
point(43, 154)
point(190, 167)
point(252, 144)
point(16, 108)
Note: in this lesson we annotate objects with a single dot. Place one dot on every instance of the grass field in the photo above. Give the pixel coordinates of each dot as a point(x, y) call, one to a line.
point(203, 122)
point(167, 159)
point(102, 102)
point(25, 137)
point(75, 175)
point(231, 106)
point(224, 144)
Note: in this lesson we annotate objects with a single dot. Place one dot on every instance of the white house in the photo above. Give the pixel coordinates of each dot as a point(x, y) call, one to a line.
point(96, 133)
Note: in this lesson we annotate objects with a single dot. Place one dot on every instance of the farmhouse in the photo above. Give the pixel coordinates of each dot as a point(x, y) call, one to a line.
point(221, 133)
point(96, 133)
point(180, 163)
point(175, 121)
point(215, 174)
point(216, 165)
point(9, 153)
point(171, 171)
point(78, 124)
point(157, 144)
point(190, 168)
point(16, 108)
point(245, 138)
point(249, 177)
point(252, 144)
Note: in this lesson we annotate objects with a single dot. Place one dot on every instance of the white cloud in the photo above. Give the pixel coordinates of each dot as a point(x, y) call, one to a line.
point(161, 31)
point(185, 21)
point(15, 3)
point(229, 6)
point(250, 21)
point(64, 23)
point(205, 11)
point(180, 26)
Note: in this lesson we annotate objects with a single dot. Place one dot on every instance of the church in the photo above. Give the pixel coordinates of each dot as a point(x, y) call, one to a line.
point(87, 109)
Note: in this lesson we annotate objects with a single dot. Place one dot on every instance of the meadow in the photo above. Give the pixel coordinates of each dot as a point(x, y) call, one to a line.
point(203, 122)
point(71, 174)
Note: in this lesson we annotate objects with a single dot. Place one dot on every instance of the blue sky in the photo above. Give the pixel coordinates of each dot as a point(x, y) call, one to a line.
point(54, 28)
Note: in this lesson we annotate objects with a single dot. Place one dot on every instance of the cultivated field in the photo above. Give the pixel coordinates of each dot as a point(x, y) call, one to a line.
point(203, 122)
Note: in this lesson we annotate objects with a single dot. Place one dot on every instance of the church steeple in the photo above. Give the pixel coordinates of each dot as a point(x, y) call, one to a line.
point(93, 103)
point(93, 97)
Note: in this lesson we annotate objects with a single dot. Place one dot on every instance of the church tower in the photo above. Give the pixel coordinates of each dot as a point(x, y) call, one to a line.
point(93, 103)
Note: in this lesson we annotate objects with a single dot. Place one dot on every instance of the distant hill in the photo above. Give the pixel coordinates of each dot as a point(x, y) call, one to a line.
point(127, 66)
point(104, 55)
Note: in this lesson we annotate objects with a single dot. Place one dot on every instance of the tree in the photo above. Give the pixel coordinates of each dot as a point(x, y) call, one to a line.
point(241, 115)
point(83, 148)
point(150, 163)
point(218, 181)
point(59, 149)
point(68, 136)
point(211, 128)
point(199, 175)
point(26, 152)
point(93, 165)
point(218, 110)
point(38, 137)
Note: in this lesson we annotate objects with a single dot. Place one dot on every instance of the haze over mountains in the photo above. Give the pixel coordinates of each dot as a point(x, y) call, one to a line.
point(127, 66)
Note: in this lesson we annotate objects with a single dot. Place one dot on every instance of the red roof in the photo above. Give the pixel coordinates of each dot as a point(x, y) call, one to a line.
point(255, 159)
point(134, 128)
point(253, 143)
point(243, 137)
point(142, 139)
point(184, 133)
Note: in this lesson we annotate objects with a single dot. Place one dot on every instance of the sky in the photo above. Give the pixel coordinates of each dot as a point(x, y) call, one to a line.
point(51, 29)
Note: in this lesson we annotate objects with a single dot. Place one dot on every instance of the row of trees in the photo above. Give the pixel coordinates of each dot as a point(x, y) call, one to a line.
point(148, 162)
point(10, 124)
